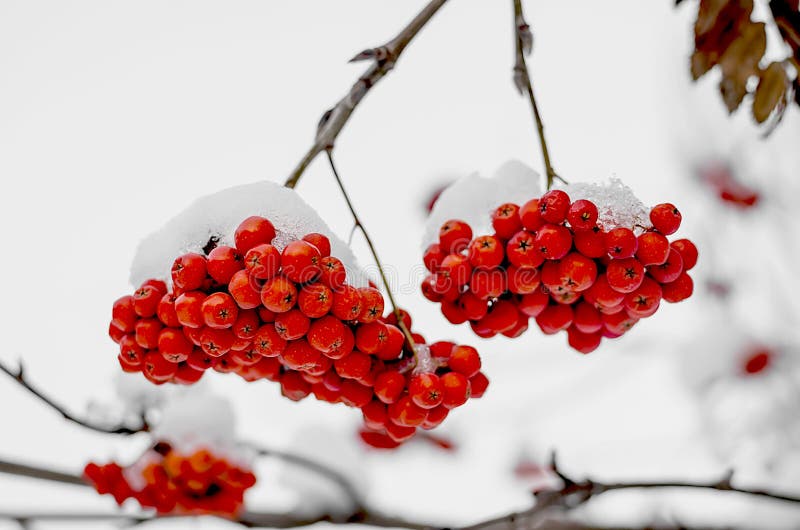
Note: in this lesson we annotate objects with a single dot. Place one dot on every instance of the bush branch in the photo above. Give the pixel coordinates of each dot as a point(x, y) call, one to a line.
point(383, 60)
point(18, 375)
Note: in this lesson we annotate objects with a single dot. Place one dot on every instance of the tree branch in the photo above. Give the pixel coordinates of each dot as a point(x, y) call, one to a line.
point(19, 376)
point(522, 80)
point(406, 332)
point(384, 59)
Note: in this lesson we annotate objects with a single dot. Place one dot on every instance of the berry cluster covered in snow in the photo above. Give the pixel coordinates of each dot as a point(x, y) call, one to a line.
point(291, 317)
point(170, 481)
point(583, 267)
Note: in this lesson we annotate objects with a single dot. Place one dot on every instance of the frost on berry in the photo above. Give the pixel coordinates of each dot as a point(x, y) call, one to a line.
point(219, 214)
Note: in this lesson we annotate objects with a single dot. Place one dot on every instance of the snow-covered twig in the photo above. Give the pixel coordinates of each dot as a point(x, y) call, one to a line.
point(383, 60)
point(360, 225)
point(18, 375)
point(524, 44)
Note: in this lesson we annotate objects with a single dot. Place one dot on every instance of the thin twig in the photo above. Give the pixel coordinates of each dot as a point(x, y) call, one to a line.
point(19, 376)
point(522, 80)
point(383, 60)
point(406, 332)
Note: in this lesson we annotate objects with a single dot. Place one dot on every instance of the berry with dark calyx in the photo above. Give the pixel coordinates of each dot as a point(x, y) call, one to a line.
point(278, 294)
point(644, 301)
point(688, 252)
point(347, 304)
point(189, 272)
point(393, 346)
point(653, 249)
point(223, 262)
point(625, 275)
point(268, 342)
point(665, 218)
point(591, 242)
point(320, 241)
point(333, 273)
point(216, 342)
point(263, 261)
point(619, 322)
point(531, 216)
point(301, 261)
point(426, 390)
point(406, 413)
point(553, 241)
point(454, 236)
point(130, 350)
point(315, 300)
point(372, 305)
point(456, 269)
point(326, 334)
point(486, 251)
point(371, 337)
point(158, 368)
point(174, 346)
point(246, 325)
point(145, 301)
point(219, 311)
point(602, 293)
point(669, 270)
point(553, 206)
point(292, 324)
point(166, 311)
point(621, 243)
point(245, 290)
point(522, 251)
point(506, 221)
point(252, 232)
point(582, 215)
point(577, 272)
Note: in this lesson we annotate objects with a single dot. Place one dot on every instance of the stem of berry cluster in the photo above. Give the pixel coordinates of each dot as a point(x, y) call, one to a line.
point(522, 80)
point(384, 280)
point(383, 60)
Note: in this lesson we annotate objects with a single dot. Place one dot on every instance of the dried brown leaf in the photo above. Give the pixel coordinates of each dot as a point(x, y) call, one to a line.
point(771, 90)
point(700, 64)
point(719, 23)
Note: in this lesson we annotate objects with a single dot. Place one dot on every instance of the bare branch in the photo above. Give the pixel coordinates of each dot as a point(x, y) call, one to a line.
point(19, 376)
point(524, 43)
point(384, 58)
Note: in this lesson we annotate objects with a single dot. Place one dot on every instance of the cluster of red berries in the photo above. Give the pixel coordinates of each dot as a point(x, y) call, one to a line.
point(289, 317)
point(730, 190)
point(170, 482)
point(550, 259)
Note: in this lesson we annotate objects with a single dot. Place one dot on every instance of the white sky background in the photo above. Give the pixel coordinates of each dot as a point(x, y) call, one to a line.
point(116, 115)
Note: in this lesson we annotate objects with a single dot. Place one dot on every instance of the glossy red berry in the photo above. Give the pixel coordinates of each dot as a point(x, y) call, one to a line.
point(465, 360)
point(602, 293)
point(688, 252)
point(665, 218)
point(625, 275)
point(146, 334)
point(370, 338)
point(506, 221)
point(522, 251)
point(219, 311)
point(488, 283)
point(532, 304)
point(216, 342)
point(292, 324)
point(315, 300)
point(553, 241)
point(320, 241)
point(347, 304)
point(327, 334)
point(553, 206)
point(263, 261)
point(621, 243)
point(577, 272)
point(522, 280)
point(245, 290)
point(333, 273)
point(486, 251)
point(583, 342)
point(406, 413)
point(389, 386)
point(432, 257)
point(653, 249)
point(189, 272)
point(644, 301)
point(252, 232)
point(679, 289)
point(223, 262)
point(582, 215)
point(166, 311)
point(586, 318)
point(123, 315)
point(189, 309)
point(372, 305)
point(454, 236)
point(174, 346)
point(145, 301)
point(278, 294)
point(268, 342)
point(456, 389)
point(531, 216)
point(425, 390)
point(158, 368)
point(669, 270)
point(355, 365)
point(246, 324)
point(591, 242)
point(555, 318)
point(301, 261)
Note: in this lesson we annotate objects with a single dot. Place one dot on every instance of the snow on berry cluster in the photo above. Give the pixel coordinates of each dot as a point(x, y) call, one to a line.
point(590, 268)
point(199, 482)
point(291, 317)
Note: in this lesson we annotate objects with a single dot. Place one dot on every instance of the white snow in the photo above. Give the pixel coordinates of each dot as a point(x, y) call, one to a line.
point(616, 204)
point(220, 213)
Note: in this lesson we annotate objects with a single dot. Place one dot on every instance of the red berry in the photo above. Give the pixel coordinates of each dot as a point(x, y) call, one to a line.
point(372, 303)
point(219, 311)
point(223, 263)
point(472, 307)
point(583, 342)
point(436, 416)
point(245, 290)
point(389, 386)
point(577, 272)
point(158, 368)
point(531, 216)
point(587, 318)
point(399, 433)
point(425, 390)
point(246, 324)
point(465, 360)
point(602, 293)
point(199, 360)
point(159, 285)
point(145, 301)
point(320, 241)
point(253, 231)
point(186, 375)
point(532, 304)
point(123, 315)
point(757, 361)
point(522, 280)
point(327, 334)
point(619, 323)
point(454, 270)
point(189, 272)
point(115, 333)
point(347, 303)
point(522, 251)
point(334, 274)
point(299, 355)
point(478, 384)
point(375, 415)
point(166, 311)
point(456, 389)
point(279, 294)
point(263, 261)
point(453, 313)
point(620, 243)
point(644, 301)
point(553, 206)
point(370, 338)
point(356, 365)
point(506, 221)
point(355, 394)
point(433, 257)
point(669, 270)
point(454, 236)
point(301, 261)
point(678, 290)
point(591, 243)
point(502, 316)
point(687, 251)
point(393, 346)
point(130, 350)
point(293, 386)
point(625, 275)
point(315, 300)
point(216, 342)
point(555, 318)
point(406, 413)
point(174, 346)
point(292, 325)
point(653, 249)
point(582, 215)
point(665, 218)
point(268, 342)
point(486, 251)
point(553, 241)
point(189, 309)
point(147, 330)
